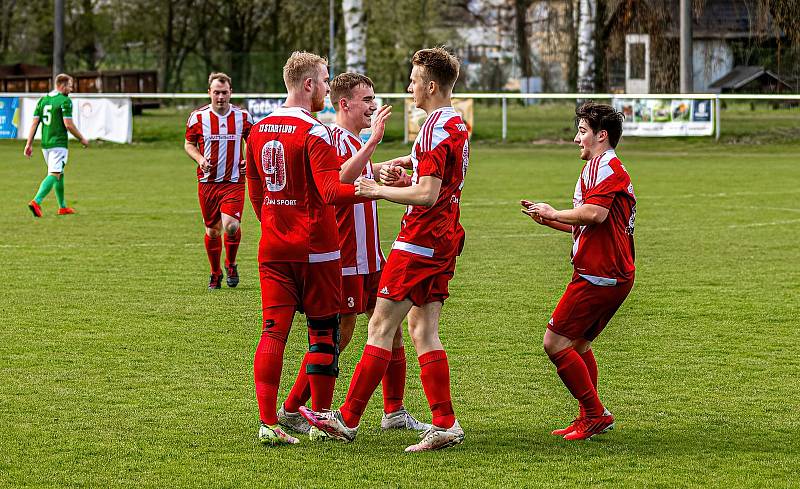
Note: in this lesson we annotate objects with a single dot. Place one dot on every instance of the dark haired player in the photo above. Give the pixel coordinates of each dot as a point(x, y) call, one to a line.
point(601, 222)
point(422, 261)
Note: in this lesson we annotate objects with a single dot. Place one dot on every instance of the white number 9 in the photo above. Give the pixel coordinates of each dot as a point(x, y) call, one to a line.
point(273, 163)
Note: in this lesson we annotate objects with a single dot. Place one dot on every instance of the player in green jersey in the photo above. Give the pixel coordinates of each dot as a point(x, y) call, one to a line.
point(54, 111)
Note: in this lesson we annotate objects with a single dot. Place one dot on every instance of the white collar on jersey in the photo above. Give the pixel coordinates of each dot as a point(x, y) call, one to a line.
point(53, 93)
point(443, 109)
point(345, 130)
point(283, 110)
point(223, 116)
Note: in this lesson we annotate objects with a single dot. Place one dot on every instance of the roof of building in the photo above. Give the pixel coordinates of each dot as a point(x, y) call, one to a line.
point(740, 76)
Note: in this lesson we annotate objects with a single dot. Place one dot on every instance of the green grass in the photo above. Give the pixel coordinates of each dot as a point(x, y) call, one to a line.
point(118, 368)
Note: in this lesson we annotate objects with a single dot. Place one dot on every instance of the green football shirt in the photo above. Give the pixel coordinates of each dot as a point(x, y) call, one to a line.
point(52, 109)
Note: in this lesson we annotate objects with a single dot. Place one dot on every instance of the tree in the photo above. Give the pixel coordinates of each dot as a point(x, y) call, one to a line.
point(587, 12)
point(522, 36)
point(355, 28)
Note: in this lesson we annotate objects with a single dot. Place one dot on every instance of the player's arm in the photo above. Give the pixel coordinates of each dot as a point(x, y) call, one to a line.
point(334, 192)
point(424, 193)
point(584, 215)
point(195, 154)
point(351, 169)
point(31, 134)
point(73, 129)
point(255, 188)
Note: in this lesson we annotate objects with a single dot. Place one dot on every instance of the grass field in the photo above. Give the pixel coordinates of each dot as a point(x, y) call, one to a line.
point(118, 368)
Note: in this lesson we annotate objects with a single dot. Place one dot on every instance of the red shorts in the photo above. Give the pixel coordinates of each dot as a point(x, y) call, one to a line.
point(585, 308)
point(216, 198)
point(359, 293)
point(415, 277)
point(312, 288)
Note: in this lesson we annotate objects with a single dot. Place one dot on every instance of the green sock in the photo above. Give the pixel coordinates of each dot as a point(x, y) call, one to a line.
point(59, 186)
point(45, 187)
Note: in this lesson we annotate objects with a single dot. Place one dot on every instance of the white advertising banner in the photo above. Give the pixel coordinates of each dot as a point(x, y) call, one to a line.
point(664, 117)
point(97, 118)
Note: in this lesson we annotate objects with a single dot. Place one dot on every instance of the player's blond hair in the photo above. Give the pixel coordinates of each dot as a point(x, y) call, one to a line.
point(300, 66)
point(218, 75)
point(440, 66)
point(62, 79)
point(343, 84)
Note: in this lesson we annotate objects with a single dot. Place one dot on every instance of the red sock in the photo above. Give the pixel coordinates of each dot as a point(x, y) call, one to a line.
point(301, 390)
point(435, 375)
point(214, 250)
point(575, 375)
point(267, 367)
point(231, 247)
point(320, 388)
point(394, 381)
point(591, 365)
point(268, 361)
point(367, 376)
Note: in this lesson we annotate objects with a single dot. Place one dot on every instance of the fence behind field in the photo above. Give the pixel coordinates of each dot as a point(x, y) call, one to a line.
point(504, 112)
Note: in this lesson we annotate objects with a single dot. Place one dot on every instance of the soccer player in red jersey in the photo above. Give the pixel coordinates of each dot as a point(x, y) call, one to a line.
point(215, 135)
point(415, 278)
point(601, 222)
point(359, 241)
point(293, 171)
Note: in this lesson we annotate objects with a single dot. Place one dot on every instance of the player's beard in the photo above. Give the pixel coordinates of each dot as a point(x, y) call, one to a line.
point(317, 101)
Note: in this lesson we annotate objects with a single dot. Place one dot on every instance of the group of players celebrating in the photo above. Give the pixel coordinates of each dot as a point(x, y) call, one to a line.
point(314, 191)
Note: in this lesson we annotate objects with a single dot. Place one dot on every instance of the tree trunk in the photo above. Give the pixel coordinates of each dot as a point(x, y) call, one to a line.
point(166, 49)
point(587, 11)
point(521, 32)
point(572, 35)
point(355, 32)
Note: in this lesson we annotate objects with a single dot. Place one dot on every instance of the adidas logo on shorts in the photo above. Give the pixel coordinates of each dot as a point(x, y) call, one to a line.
point(385, 290)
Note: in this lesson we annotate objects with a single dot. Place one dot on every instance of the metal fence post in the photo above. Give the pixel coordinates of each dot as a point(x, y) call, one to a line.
point(405, 121)
point(717, 116)
point(505, 117)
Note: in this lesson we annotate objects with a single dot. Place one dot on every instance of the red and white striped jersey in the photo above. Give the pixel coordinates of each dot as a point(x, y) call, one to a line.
point(219, 138)
point(603, 253)
point(441, 150)
point(359, 240)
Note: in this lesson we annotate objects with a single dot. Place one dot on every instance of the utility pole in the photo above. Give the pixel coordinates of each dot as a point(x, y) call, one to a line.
point(686, 47)
point(58, 38)
point(330, 38)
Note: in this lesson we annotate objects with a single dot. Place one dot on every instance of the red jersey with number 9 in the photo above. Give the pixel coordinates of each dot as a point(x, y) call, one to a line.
point(286, 148)
point(441, 150)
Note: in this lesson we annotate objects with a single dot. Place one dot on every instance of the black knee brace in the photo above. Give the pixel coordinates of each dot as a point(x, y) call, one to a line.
point(323, 345)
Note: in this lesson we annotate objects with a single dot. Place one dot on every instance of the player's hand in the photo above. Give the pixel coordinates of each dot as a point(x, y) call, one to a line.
point(389, 174)
point(366, 187)
point(528, 208)
point(84, 142)
point(204, 164)
point(28, 151)
point(543, 210)
point(394, 176)
point(379, 123)
point(403, 162)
